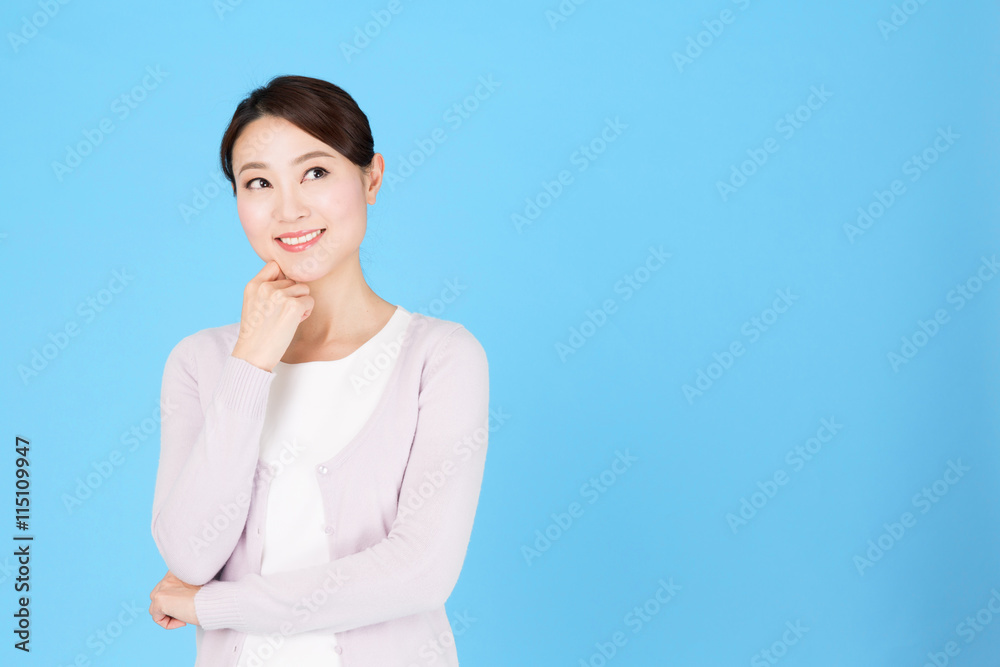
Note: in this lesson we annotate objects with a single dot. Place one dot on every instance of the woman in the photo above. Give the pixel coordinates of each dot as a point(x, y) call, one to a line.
point(321, 464)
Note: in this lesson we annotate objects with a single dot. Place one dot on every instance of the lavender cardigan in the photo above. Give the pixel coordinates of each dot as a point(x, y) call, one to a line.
point(399, 500)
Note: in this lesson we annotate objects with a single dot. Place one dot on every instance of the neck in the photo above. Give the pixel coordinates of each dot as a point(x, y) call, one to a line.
point(345, 309)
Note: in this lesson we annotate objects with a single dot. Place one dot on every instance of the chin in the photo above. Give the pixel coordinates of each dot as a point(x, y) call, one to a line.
point(303, 271)
point(309, 268)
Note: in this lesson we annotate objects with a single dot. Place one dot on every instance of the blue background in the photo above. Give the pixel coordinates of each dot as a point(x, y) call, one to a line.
point(526, 288)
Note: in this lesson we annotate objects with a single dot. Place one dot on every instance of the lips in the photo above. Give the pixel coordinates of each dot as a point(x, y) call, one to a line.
point(299, 247)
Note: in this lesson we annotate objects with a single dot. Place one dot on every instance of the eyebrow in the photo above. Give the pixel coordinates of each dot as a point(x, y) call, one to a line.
point(301, 158)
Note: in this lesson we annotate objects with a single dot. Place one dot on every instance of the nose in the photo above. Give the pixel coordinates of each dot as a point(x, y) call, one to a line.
point(289, 204)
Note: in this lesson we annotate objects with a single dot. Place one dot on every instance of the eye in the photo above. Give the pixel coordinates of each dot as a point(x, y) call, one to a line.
point(322, 172)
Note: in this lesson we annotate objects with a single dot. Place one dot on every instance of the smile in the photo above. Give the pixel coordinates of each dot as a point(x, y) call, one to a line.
point(299, 241)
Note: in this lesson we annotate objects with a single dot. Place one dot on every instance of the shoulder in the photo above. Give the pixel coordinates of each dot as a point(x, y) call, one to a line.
point(205, 345)
point(448, 348)
point(440, 338)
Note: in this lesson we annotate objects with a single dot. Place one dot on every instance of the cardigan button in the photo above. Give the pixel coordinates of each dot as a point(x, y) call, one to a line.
point(337, 649)
point(321, 469)
point(328, 529)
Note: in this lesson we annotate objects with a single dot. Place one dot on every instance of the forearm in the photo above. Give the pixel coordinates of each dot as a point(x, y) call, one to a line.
point(206, 476)
point(415, 567)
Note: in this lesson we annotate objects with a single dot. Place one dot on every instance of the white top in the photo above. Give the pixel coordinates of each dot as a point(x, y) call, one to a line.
point(314, 409)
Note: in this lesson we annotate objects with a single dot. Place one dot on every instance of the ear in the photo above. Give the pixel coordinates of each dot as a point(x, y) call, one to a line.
point(374, 177)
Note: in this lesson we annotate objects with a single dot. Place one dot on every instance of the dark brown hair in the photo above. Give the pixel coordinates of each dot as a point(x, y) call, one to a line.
point(317, 107)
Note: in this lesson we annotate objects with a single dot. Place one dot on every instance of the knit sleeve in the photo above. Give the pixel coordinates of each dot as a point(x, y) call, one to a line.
point(207, 462)
point(416, 566)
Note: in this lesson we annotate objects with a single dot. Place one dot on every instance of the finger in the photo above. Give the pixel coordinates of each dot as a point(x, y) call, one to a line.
point(156, 612)
point(173, 623)
point(282, 298)
point(308, 303)
point(170, 623)
point(269, 272)
point(294, 290)
point(276, 285)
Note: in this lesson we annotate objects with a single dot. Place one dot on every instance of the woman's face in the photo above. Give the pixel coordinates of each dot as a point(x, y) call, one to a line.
point(290, 184)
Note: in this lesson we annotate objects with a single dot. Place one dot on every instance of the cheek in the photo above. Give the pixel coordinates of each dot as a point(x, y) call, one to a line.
point(253, 221)
point(344, 210)
point(341, 204)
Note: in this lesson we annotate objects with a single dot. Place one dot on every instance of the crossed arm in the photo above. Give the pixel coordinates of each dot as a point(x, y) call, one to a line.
point(414, 568)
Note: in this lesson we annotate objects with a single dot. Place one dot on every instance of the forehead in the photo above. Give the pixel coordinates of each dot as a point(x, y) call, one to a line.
point(270, 135)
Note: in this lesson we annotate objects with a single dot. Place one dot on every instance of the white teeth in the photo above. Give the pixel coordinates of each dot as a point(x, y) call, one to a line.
point(300, 239)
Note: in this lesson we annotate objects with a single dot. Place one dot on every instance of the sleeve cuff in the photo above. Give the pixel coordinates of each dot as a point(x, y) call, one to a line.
point(216, 607)
point(243, 387)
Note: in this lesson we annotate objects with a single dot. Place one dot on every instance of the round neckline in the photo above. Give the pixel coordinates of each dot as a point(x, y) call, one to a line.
point(396, 314)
